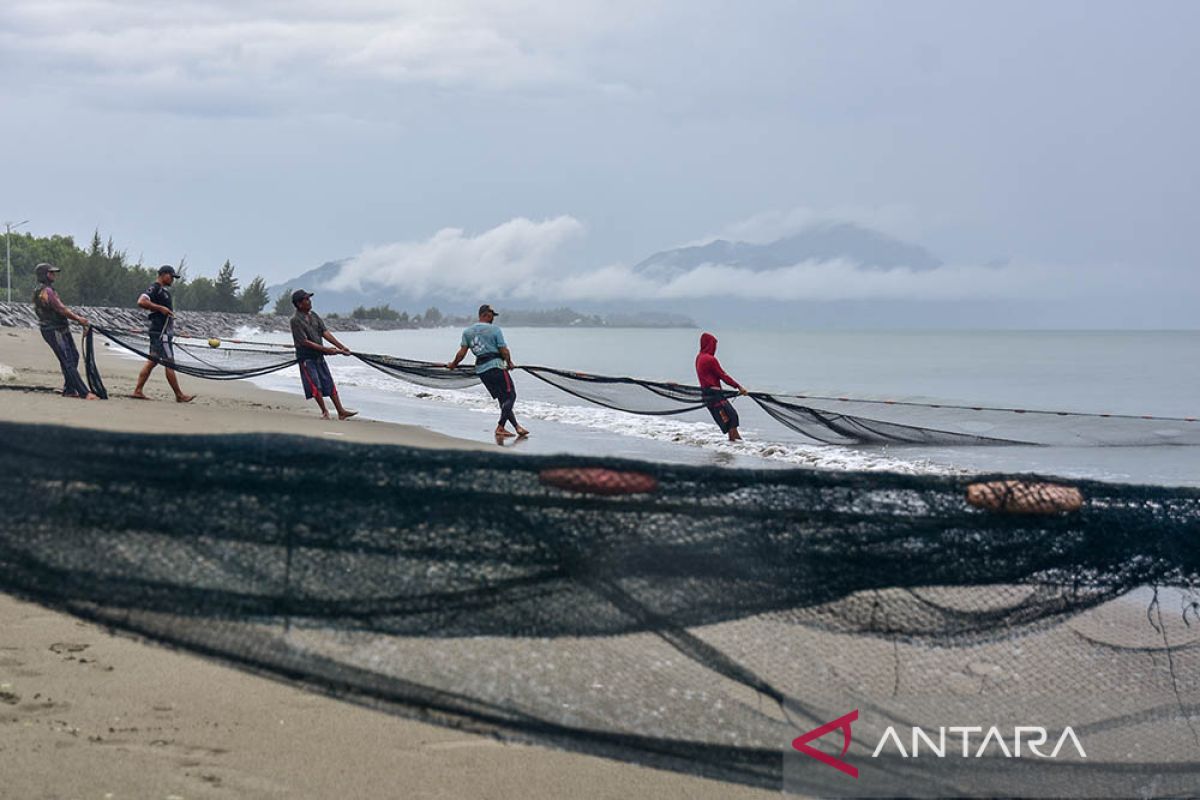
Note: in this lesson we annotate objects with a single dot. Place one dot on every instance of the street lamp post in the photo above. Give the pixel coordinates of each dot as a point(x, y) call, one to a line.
point(9, 227)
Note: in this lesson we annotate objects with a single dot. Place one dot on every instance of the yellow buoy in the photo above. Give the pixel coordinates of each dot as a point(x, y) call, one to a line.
point(214, 342)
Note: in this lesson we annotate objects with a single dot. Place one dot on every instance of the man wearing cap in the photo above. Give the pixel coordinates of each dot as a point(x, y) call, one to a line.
point(157, 300)
point(308, 333)
point(492, 364)
point(54, 322)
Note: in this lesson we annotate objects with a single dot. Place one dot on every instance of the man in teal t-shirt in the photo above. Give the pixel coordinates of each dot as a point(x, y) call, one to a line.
point(492, 364)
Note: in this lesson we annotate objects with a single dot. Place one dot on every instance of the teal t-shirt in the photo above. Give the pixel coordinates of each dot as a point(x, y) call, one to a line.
point(484, 338)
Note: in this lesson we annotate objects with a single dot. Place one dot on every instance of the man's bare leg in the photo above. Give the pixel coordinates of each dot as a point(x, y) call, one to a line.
point(342, 412)
point(734, 436)
point(143, 376)
point(321, 404)
point(180, 397)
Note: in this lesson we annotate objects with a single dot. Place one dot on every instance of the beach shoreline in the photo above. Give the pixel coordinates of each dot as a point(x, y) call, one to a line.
point(85, 712)
point(220, 407)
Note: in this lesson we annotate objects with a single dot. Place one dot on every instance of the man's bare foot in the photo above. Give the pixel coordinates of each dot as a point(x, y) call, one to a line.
point(324, 415)
point(185, 398)
point(522, 432)
point(139, 396)
point(346, 414)
point(502, 433)
point(91, 396)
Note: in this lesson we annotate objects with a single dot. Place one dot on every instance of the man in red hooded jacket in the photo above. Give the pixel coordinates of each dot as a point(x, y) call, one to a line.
point(709, 371)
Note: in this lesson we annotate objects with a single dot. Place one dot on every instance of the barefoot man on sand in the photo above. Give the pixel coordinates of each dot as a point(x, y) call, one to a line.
point(157, 300)
point(53, 319)
point(308, 331)
point(492, 364)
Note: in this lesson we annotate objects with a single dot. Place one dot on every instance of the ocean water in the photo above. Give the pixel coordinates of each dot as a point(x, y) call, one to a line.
point(1090, 371)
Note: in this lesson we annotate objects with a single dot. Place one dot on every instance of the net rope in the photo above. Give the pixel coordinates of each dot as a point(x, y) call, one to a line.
point(827, 420)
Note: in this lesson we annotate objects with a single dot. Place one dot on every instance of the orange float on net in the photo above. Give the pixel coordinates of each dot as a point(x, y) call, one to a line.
point(1025, 497)
point(598, 480)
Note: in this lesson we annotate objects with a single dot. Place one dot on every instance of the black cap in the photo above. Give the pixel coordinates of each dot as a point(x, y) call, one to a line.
point(167, 269)
point(299, 295)
point(44, 269)
point(486, 309)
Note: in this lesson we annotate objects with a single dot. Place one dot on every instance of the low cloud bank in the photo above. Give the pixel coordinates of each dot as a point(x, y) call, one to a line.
point(526, 260)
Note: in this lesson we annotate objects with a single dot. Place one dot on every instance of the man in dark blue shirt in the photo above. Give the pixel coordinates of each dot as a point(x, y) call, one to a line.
point(157, 300)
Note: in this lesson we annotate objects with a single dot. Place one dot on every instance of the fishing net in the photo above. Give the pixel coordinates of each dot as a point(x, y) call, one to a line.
point(92, 373)
point(422, 373)
point(829, 420)
point(686, 618)
point(224, 361)
point(632, 395)
point(880, 421)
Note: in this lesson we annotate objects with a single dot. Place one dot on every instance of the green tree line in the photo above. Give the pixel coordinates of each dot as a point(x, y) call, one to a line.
point(102, 275)
point(432, 317)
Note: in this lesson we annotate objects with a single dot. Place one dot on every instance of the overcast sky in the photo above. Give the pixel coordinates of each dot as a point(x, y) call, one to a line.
point(565, 141)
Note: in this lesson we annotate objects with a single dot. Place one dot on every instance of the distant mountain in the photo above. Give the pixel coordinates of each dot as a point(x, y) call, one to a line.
point(345, 300)
point(835, 241)
point(314, 280)
point(547, 315)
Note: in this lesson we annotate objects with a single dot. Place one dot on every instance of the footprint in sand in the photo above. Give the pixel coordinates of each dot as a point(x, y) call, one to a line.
point(40, 705)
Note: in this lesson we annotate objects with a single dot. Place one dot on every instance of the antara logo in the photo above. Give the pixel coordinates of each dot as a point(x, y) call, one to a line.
point(1024, 739)
point(841, 723)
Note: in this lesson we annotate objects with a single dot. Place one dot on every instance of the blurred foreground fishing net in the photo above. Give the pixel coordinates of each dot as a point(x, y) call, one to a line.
point(829, 420)
point(690, 619)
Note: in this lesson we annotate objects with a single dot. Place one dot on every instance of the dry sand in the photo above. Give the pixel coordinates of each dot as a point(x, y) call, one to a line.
point(219, 407)
point(88, 714)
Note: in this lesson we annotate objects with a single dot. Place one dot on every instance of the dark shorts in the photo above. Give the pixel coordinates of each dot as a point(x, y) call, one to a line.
point(499, 384)
point(162, 347)
point(314, 374)
point(722, 411)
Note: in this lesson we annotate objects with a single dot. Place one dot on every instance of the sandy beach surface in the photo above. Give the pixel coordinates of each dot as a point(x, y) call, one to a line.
point(219, 407)
point(85, 713)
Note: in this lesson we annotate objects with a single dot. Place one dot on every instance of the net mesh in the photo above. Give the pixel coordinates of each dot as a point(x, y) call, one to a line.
point(686, 618)
point(961, 424)
point(229, 360)
point(422, 373)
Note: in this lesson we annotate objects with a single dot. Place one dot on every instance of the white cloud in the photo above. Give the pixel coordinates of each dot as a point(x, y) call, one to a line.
point(509, 260)
point(262, 46)
point(524, 259)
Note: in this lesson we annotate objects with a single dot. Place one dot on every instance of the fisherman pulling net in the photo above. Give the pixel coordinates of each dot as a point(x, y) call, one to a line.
point(693, 619)
point(829, 420)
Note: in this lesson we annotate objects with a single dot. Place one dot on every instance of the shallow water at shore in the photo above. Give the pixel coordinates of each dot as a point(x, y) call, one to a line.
point(1113, 372)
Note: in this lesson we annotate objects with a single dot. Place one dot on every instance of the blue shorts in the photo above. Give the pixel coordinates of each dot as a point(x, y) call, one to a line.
point(314, 374)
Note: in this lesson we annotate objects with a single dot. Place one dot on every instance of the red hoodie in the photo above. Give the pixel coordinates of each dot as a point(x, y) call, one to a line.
point(708, 369)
